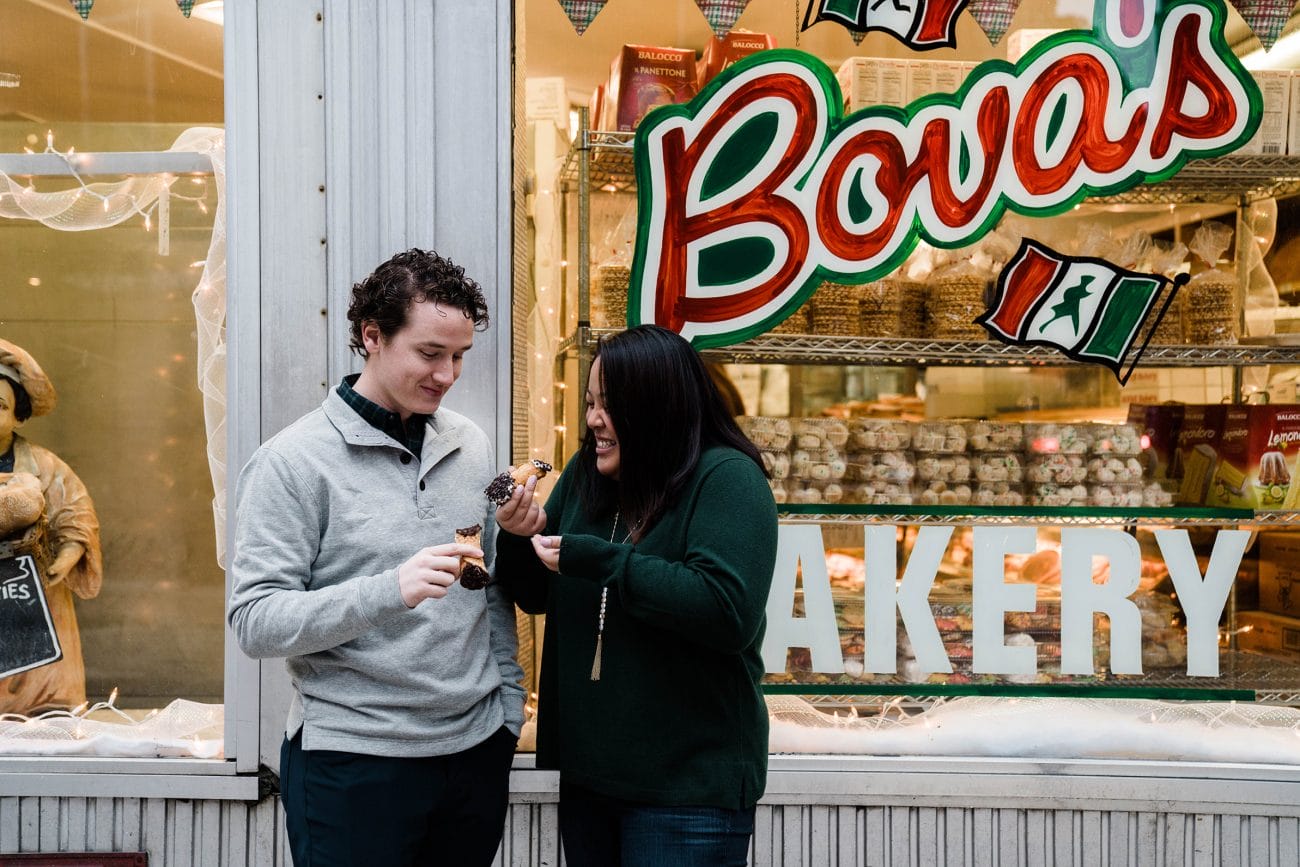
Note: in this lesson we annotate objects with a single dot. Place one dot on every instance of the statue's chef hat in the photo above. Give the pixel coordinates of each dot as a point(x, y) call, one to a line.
point(18, 364)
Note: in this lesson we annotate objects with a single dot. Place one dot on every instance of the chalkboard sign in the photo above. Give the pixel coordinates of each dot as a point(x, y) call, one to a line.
point(27, 636)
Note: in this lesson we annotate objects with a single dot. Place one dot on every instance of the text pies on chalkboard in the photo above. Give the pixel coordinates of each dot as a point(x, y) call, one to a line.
point(29, 637)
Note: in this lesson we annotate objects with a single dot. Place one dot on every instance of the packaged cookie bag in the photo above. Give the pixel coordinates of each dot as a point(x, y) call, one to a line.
point(959, 291)
point(1212, 311)
point(1168, 261)
point(834, 310)
point(612, 276)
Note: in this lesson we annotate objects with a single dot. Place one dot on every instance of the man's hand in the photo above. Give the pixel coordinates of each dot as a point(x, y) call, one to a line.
point(548, 551)
point(522, 515)
point(431, 571)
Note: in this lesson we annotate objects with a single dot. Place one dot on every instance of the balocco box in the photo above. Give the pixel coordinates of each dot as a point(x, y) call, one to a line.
point(1230, 487)
point(1258, 462)
point(1196, 457)
point(1158, 425)
point(1272, 459)
point(722, 52)
point(643, 77)
point(1279, 573)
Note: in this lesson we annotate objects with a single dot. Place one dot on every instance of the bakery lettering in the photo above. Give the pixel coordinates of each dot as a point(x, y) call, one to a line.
point(891, 598)
point(759, 189)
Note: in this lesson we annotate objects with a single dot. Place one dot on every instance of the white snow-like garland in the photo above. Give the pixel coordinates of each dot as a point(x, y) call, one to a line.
point(1054, 728)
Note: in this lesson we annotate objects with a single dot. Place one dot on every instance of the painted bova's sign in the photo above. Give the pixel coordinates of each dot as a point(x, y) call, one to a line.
point(761, 188)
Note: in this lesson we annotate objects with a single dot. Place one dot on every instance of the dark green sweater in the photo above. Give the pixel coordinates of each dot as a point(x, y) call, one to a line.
point(677, 717)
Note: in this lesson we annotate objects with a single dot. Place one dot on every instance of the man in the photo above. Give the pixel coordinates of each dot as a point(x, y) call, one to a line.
point(407, 703)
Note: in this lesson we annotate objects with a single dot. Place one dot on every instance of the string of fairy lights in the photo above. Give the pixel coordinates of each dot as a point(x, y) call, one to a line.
point(149, 198)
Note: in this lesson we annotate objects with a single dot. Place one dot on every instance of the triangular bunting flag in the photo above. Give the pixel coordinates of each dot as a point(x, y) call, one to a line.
point(1266, 18)
point(186, 7)
point(82, 7)
point(722, 14)
point(993, 16)
point(857, 36)
point(582, 12)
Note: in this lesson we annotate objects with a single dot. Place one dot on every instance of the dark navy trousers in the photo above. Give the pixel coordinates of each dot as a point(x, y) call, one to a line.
point(350, 809)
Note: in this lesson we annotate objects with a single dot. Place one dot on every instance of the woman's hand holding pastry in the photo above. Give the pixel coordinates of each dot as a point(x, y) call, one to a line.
point(429, 573)
point(522, 515)
point(548, 551)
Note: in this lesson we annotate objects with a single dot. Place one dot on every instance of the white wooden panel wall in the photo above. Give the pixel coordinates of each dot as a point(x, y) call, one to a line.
point(904, 836)
point(184, 833)
point(418, 153)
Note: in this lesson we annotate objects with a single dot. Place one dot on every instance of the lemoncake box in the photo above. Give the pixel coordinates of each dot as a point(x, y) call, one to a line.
point(1258, 458)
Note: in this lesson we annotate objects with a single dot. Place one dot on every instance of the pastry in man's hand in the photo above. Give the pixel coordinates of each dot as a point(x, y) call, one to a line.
point(473, 573)
point(500, 488)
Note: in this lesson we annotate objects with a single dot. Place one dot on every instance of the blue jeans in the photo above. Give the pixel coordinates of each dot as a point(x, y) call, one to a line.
point(606, 832)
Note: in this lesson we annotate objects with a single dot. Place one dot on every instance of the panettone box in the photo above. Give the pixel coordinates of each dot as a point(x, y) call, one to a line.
point(1279, 573)
point(1195, 459)
point(1267, 633)
point(1158, 425)
point(643, 77)
point(1258, 458)
point(596, 109)
point(721, 52)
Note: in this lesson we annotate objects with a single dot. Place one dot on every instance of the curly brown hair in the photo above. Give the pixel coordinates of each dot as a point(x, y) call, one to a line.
point(408, 278)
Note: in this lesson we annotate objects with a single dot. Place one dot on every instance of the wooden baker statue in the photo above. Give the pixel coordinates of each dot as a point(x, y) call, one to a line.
point(63, 538)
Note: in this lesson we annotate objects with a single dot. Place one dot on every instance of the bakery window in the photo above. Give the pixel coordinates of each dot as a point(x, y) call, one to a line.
point(976, 536)
point(112, 380)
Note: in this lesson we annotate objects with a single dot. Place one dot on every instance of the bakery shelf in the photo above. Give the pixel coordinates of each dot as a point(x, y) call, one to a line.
point(1225, 180)
point(813, 349)
point(1243, 677)
point(843, 693)
point(610, 164)
point(849, 513)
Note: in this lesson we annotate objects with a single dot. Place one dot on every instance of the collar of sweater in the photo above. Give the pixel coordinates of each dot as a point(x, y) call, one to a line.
point(441, 439)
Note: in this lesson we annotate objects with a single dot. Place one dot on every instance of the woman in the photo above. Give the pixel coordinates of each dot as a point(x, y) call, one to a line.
point(653, 565)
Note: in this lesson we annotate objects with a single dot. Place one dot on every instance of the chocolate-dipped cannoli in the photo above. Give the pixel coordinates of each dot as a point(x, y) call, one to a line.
point(503, 485)
point(473, 573)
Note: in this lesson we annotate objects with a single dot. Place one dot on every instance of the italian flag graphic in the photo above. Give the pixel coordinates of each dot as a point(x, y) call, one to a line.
point(1088, 308)
point(920, 24)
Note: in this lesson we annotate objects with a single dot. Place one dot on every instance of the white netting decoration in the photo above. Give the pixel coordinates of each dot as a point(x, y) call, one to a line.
point(1056, 728)
point(182, 728)
point(99, 205)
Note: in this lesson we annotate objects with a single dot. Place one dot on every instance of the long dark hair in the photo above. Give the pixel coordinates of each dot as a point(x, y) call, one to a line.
point(666, 411)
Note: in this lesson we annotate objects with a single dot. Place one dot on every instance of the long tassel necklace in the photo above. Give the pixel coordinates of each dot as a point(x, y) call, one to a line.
point(604, 600)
